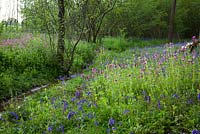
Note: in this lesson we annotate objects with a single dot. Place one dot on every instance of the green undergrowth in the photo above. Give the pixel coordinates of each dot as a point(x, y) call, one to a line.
point(29, 64)
point(134, 92)
point(120, 44)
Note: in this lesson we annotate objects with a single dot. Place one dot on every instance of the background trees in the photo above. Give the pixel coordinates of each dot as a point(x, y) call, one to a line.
point(146, 18)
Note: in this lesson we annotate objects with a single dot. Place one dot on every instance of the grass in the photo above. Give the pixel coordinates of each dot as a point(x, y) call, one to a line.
point(128, 92)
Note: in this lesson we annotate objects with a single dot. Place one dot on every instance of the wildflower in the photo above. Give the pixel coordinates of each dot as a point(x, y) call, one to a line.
point(65, 106)
point(81, 102)
point(195, 132)
point(90, 115)
point(96, 123)
point(70, 114)
point(14, 115)
point(50, 128)
point(147, 98)
point(73, 99)
point(61, 128)
point(108, 131)
point(111, 122)
point(89, 93)
point(198, 96)
point(94, 70)
point(53, 100)
point(114, 129)
point(1, 118)
point(78, 94)
point(80, 108)
point(175, 96)
point(190, 101)
point(159, 106)
point(89, 104)
point(131, 132)
point(126, 111)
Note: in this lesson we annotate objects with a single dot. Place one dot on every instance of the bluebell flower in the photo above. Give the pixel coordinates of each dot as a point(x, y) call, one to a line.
point(64, 106)
point(131, 132)
point(114, 129)
point(90, 104)
point(190, 101)
point(73, 99)
point(108, 131)
point(126, 111)
point(96, 123)
point(80, 108)
point(89, 93)
point(50, 128)
point(90, 115)
point(111, 122)
point(175, 96)
point(1, 118)
point(53, 100)
point(195, 132)
point(61, 128)
point(70, 114)
point(198, 96)
point(159, 105)
point(147, 98)
point(14, 115)
point(78, 94)
point(81, 102)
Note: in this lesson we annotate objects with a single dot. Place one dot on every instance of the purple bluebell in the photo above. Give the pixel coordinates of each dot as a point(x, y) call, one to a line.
point(147, 98)
point(50, 128)
point(80, 108)
point(159, 105)
point(131, 132)
point(53, 100)
point(61, 128)
point(190, 101)
point(89, 104)
point(78, 94)
point(81, 102)
point(175, 96)
point(1, 118)
point(114, 129)
point(126, 111)
point(89, 93)
point(198, 96)
point(90, 115)
point(108, 131)
point(64, 106)
point(70, 114)
point(111, 122)
point(14, 115)
point(96, 123)
point(195, 132)
point(73, 99)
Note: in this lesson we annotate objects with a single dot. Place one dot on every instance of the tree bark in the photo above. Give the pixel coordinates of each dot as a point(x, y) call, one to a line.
point(172, 20)
point(61, 34)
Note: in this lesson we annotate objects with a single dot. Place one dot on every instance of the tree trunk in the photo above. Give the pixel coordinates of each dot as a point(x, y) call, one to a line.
point(171, 22)
point(61, 34)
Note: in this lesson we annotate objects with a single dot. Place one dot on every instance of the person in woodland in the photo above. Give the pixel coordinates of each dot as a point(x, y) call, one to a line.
point(194, 44)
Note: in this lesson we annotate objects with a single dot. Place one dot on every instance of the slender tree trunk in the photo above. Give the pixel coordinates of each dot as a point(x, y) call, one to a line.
point(171, 22)
point(61, 34)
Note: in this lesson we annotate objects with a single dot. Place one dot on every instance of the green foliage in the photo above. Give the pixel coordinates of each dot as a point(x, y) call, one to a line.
point(1, 29)
point(120, 43)
point(24, 68)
